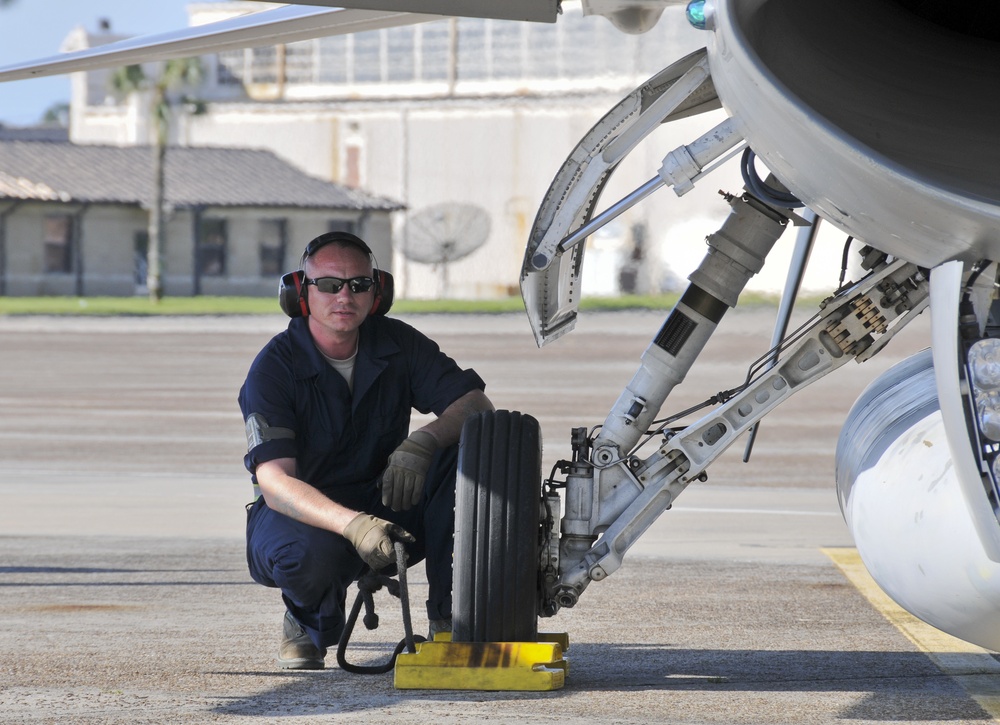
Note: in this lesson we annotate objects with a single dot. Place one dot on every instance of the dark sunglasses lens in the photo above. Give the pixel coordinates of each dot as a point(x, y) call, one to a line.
point(330, 285)
point(360, 284)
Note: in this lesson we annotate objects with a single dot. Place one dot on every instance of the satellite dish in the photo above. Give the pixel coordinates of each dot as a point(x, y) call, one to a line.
point(444, 233)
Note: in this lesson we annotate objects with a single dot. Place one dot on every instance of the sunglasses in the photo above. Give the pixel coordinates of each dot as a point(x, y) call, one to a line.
point(333, 285)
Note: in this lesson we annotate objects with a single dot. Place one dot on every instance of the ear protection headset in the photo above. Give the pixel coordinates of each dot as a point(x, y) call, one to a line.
point(293, 295)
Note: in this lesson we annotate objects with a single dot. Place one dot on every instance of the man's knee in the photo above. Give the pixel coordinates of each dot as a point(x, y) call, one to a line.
point(298, 558)
point(440, 487)
point(310, 571)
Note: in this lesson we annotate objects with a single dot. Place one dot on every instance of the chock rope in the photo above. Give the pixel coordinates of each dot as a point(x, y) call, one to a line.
point(369, 583)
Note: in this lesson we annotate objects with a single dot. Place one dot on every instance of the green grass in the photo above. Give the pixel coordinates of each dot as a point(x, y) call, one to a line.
point(137, 306)
point(268, 305)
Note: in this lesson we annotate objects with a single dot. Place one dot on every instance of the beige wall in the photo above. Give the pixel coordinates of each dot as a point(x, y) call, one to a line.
point(107, 250)
point(108, 244)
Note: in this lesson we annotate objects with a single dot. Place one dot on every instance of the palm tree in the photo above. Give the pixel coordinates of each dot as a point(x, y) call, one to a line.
point(165, 93)
point(57, 114)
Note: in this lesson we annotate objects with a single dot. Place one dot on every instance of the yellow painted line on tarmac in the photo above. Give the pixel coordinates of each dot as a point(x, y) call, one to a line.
point(973, 667)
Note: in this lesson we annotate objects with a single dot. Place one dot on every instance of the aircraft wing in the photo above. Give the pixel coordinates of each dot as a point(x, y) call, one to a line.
point(544, 11)
point(307, 19)
point(269, 27)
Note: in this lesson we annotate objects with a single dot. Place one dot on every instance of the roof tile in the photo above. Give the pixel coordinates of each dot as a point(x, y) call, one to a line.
point(195, 176)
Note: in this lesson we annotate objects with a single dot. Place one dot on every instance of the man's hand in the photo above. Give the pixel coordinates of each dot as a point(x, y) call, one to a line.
point(373, 538)
point(403, 478)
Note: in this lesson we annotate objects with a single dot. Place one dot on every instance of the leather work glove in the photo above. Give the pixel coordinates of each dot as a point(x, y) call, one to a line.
point(373, 538)
point(403, 479)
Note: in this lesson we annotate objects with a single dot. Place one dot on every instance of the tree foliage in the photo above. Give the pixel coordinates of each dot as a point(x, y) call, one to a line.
point(57, 115)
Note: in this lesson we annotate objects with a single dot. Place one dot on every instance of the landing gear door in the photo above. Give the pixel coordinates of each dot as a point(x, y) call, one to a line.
point(551, 276)
point(946, 288)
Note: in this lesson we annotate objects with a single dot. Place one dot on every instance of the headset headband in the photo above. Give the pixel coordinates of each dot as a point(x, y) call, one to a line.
point(343, 238)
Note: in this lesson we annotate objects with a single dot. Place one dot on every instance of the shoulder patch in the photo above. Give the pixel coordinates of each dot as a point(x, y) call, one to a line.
point(258, 431)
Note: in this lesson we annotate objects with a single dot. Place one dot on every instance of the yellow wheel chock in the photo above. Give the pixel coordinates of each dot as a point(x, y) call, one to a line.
point(446, 665)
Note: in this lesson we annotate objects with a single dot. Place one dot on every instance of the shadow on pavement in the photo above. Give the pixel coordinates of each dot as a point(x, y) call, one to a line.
point(897, 686)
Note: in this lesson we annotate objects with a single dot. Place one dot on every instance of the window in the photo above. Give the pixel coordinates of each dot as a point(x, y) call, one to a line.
point(342, 225)
point(352, 166)
point(435, 44)
point(333, 59)
point(487, 49)
point(540, 51)
point(300, 61)
point(141, 243)
point(508, 50)
point(58, 229)
point(400, 52)
point(212, 251)
point(230, 67)
point(264, 64)
point(272, 247)
point(367, 57)
point(474, 50)
point(247, 66)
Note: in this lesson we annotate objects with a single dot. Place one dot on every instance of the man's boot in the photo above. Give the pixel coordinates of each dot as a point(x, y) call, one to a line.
point(438, 626)
point(298, 651)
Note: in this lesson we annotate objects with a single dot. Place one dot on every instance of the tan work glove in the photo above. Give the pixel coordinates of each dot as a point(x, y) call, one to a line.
point(373, 538)
point(403, 479)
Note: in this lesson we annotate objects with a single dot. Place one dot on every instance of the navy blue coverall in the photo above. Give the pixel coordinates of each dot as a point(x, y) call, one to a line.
point(341, 442)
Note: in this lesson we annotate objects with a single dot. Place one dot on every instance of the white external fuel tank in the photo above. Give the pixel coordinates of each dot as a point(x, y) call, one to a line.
point(904, 505)
point(917, 498)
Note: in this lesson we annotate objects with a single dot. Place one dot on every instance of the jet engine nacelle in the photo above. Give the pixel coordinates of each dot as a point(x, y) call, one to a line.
point(880, 115)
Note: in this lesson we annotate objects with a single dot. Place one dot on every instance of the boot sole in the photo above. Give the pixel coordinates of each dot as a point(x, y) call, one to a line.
point(301, 663)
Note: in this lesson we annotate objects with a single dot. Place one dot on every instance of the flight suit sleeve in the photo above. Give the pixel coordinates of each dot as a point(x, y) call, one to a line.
point(267, 402)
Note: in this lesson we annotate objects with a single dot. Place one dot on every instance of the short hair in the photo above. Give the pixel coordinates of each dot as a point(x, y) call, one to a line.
point(341, 239)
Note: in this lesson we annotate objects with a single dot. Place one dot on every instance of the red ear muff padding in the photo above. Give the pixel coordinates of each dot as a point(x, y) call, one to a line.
point(291, 295)
point(383, 293)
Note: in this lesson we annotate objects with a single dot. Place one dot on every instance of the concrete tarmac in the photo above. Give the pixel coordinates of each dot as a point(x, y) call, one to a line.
point(124, 596)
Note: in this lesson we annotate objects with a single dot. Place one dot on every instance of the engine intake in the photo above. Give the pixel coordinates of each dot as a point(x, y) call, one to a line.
point(879, 114)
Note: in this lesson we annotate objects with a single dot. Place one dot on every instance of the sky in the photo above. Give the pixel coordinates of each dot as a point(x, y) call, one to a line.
point(34, 29)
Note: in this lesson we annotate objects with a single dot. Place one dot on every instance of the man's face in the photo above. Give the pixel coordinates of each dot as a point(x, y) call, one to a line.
point(343, 311)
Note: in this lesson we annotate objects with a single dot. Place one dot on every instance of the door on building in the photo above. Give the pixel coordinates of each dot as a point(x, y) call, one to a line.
point(141, 264)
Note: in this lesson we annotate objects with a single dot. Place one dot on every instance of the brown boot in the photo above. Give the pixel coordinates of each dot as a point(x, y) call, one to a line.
point(298, 651)
point(438, 626)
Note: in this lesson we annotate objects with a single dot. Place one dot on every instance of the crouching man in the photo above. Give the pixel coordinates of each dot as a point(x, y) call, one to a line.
point(327, 408)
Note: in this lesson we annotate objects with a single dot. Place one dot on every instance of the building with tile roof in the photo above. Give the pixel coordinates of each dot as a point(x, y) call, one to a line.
point(74, 218)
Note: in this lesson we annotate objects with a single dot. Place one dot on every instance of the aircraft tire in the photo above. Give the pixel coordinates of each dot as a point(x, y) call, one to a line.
point(498, 498)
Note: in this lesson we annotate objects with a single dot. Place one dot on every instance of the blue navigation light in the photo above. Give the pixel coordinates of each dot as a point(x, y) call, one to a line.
point(698, 15)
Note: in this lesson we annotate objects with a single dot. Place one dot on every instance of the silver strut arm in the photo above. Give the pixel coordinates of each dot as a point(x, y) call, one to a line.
point(849, 327)
point(736, 252)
